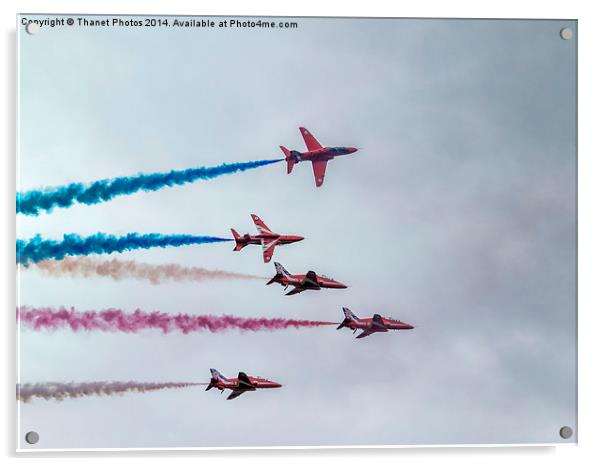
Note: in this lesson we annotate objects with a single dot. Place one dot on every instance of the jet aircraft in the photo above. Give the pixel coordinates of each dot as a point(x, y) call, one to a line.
point(316, 154)
point(239, 385)
point(302, 282)
point(266, 237)
point(372, 324)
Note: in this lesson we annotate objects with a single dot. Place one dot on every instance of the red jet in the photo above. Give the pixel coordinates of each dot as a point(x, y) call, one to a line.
point(239, 385)
point(309, 281)
point(316, 154)
point(266, 237)
point(371, 325)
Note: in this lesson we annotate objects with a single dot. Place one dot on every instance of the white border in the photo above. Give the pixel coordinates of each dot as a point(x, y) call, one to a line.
point(590, 231)
point(296, 447)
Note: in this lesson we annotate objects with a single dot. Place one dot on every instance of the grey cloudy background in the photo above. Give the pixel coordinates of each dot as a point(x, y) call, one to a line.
point(457, 215)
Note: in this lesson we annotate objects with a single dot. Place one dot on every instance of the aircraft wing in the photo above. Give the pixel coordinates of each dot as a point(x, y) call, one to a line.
point(297, 289)
point(234, 394)
point(243, 381)
point(378, 321)
point(365, 333)
point(310, 141)
point(261, 227)
point(268, 249)
point(310, 279)
point(319, 167)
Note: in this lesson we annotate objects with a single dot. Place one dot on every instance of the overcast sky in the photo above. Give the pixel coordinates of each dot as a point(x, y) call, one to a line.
point(457, 215)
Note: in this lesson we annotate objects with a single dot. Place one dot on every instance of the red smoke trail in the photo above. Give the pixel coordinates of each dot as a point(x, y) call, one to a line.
point(60, 391)
point(116, 320)
point(120, 269)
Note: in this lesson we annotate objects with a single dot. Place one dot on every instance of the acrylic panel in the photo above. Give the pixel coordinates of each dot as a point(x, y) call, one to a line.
point(405, 187)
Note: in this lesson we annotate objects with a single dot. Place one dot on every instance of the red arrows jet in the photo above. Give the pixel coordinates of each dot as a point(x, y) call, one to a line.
point(239, 385)
point(266, 237)
point(371, 325)
point(309, 281)
point(316, 153)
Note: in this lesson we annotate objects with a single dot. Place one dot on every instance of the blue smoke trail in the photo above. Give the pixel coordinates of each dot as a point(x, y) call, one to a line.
point(32, 202)
point(37, 249)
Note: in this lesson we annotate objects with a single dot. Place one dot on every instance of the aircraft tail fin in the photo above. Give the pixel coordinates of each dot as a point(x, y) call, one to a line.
point(215, 378)
point(287, 153)
point(215, 375)
point(239, 244)
point(280, 273)
point(349, 318)
point(280, 270)
point(349, 315)
point(290, 159)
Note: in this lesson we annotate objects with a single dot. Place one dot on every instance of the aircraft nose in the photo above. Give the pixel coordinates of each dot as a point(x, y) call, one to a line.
point(352, 150)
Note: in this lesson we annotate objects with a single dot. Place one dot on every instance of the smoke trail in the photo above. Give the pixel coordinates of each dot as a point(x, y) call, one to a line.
point(119, 270)
point(60, 391)
point(116, 320)
point(37, 249)
point(32, 202)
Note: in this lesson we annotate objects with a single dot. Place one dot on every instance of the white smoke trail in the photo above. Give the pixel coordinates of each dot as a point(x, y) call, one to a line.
point(60, 390)
point(116, 269)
